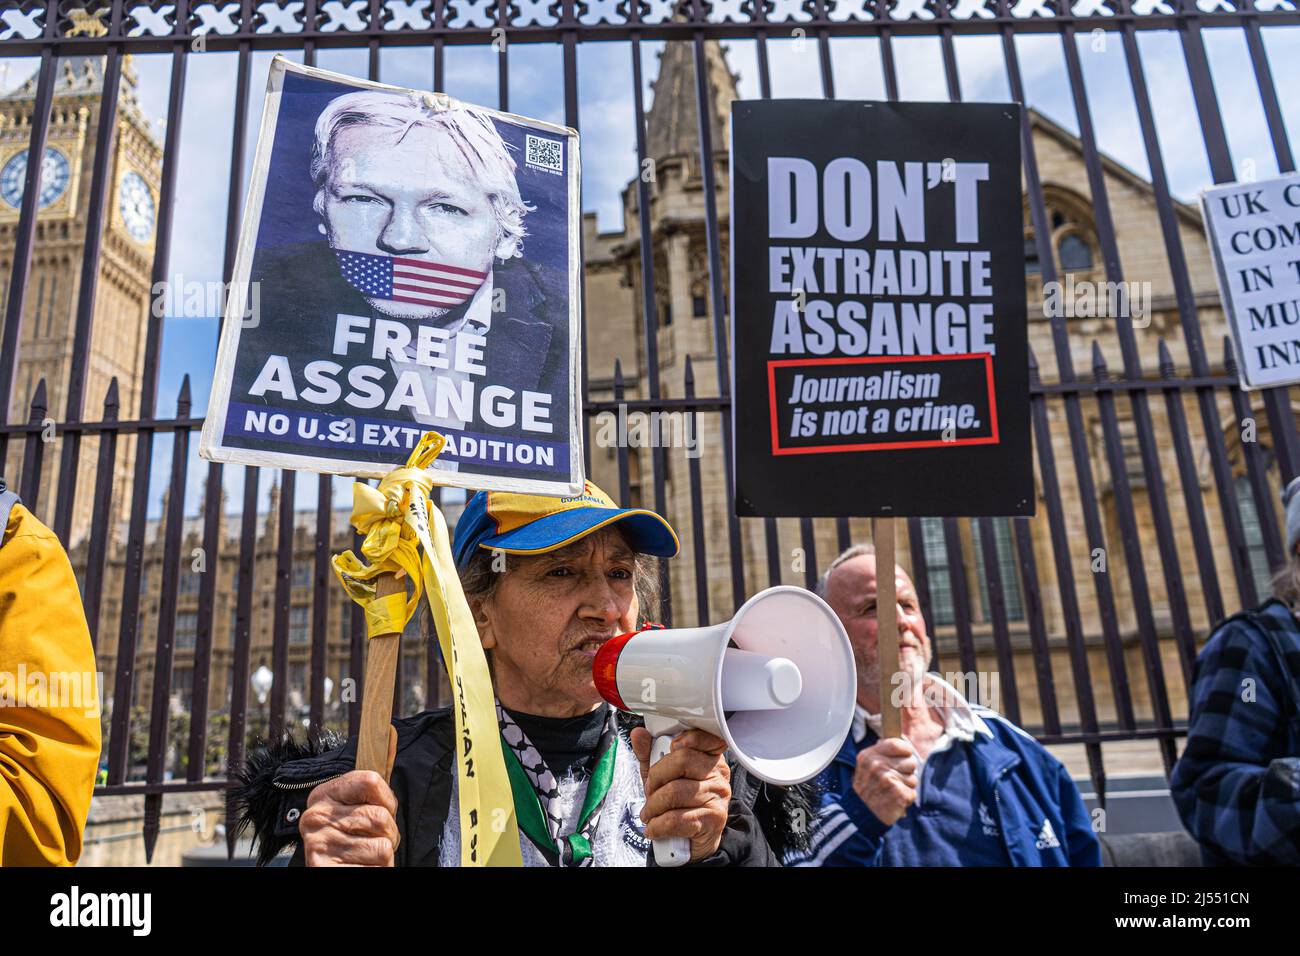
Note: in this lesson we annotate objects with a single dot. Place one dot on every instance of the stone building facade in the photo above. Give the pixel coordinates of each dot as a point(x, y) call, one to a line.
point(416, 647)
point(685, 322)
point(685, 330)
point(122, 295)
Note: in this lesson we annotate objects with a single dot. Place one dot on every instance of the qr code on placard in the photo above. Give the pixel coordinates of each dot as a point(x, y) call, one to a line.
point(546, 153)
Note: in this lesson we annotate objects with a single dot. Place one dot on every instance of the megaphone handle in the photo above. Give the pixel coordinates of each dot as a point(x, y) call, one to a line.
point(669, 851)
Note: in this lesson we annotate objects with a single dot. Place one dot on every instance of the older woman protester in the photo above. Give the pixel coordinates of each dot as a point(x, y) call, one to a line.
point(1237, 784)
point(548, 580)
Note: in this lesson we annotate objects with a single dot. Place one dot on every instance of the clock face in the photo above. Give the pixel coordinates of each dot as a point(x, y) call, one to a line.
point(136, 203)
point(55, 173)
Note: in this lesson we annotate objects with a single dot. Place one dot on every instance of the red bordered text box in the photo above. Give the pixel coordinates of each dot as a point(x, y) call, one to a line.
point(991, 439)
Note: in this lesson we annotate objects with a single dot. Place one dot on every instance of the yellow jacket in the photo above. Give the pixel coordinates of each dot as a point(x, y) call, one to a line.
point(49, 712)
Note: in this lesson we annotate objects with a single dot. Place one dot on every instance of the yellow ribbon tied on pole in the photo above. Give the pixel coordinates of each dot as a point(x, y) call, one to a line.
point(405, 533)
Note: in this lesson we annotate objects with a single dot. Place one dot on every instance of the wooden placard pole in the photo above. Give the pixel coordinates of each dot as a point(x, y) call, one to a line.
point(377, 699)
point(882, 533)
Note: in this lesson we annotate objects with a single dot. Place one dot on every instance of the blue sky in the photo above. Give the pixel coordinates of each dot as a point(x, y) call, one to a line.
point(608, 147)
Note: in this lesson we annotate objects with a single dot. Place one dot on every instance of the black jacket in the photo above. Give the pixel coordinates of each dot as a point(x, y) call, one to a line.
point(762, 821)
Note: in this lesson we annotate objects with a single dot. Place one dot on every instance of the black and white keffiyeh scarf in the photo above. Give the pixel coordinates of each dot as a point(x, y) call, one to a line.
point(539, 818)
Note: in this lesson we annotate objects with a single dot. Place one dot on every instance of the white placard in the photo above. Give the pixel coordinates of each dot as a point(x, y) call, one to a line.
point(406, 262)
point(1254, 233)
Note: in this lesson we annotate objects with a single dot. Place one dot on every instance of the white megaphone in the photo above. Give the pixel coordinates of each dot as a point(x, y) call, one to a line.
point(777, 682)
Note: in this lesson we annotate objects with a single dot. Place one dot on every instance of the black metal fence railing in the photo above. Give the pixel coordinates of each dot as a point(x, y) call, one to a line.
point(1179, 419)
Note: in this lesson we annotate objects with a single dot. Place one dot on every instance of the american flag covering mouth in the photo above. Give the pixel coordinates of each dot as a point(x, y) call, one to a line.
point(404, 279)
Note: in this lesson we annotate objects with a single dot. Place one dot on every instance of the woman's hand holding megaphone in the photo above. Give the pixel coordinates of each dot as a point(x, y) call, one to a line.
point(687, 790)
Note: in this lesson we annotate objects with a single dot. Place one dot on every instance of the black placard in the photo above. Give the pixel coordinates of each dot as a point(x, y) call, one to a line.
point(879, 326)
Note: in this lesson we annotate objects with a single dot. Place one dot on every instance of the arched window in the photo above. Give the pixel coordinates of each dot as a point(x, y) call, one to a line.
point(1074, 252)
point(1071, 232)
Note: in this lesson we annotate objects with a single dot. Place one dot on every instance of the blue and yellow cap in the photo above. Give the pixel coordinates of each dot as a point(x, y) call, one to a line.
point(534, 524)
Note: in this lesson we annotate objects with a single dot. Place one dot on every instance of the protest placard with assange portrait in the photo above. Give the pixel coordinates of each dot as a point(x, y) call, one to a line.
point(407, 262)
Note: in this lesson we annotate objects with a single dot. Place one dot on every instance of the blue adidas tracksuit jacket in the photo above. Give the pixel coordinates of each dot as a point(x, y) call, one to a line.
point(1035, 806)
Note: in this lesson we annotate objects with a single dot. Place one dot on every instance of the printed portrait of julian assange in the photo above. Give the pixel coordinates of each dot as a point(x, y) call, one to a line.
point(423, 231)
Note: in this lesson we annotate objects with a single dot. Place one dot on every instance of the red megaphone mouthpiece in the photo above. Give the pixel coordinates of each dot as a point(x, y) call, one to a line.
point(604, 669)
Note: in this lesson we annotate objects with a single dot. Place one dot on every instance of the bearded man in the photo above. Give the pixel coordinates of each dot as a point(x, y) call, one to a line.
point(962, 786)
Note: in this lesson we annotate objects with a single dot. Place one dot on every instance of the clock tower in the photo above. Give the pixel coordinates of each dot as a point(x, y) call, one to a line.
point(122, 299)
